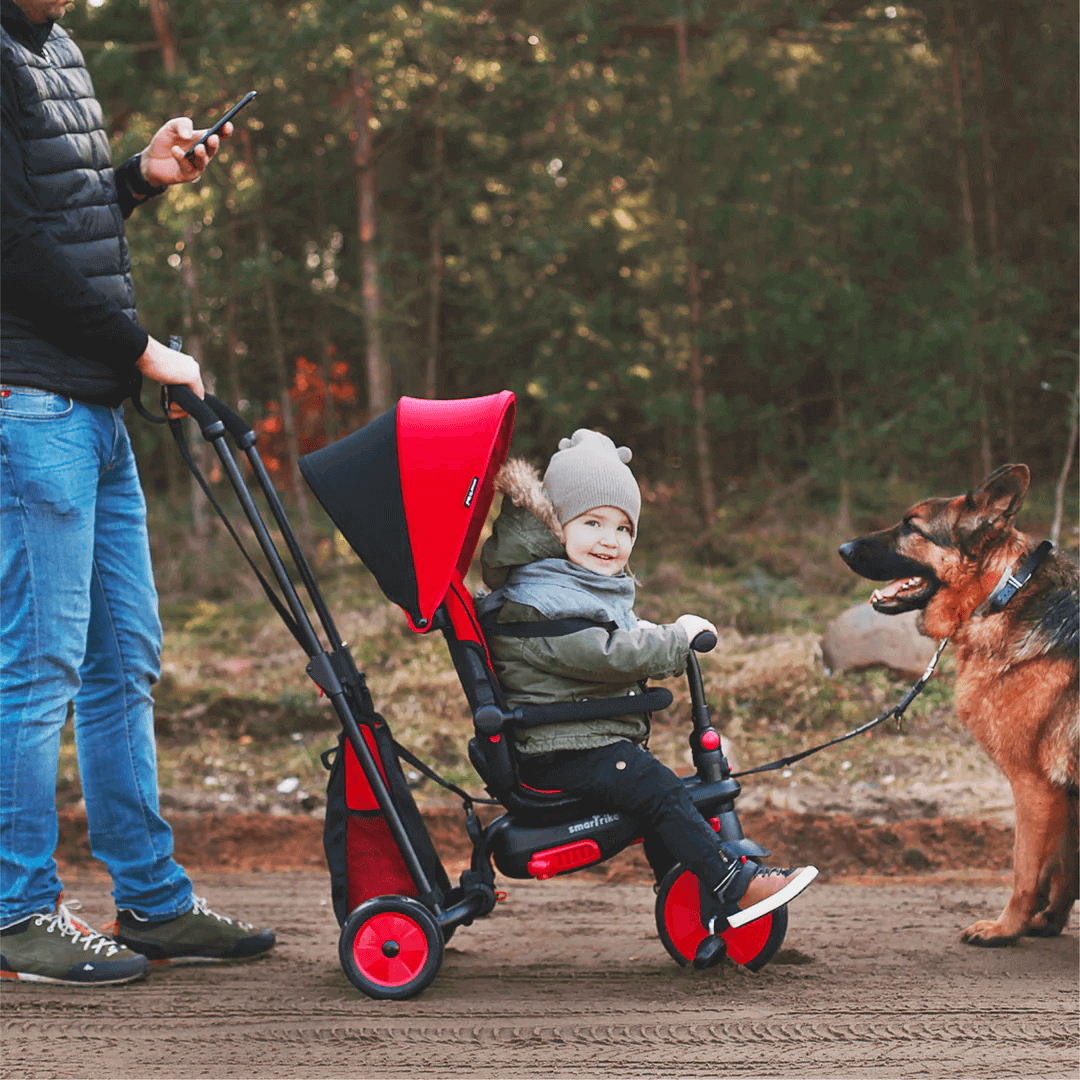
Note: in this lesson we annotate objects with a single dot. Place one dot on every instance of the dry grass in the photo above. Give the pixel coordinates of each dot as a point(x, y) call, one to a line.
point(241, 727)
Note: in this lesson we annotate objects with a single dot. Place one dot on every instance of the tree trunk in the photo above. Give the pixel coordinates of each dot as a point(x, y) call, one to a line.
point(159, 16)
point(693, 286)
point(1059, 490)
point(843, 449)
point(232, 339)
point(326, 349)
point(431, 381)
point(378, 382)
point(968, 229)
point(990, 210)
point(277, 351)
point(200, 449)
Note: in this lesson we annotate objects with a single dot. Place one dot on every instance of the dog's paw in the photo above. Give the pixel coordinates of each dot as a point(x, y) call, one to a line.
point(1046, 923)
point(988, 934)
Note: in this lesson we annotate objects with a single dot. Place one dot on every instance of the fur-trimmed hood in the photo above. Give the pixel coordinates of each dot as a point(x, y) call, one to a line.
point(521, 482)
point(527, 527)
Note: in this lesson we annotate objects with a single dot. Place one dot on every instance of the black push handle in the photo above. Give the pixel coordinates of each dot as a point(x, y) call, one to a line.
point(239, 429)
point(198, 409)
point(704, 642)
point(212, 415)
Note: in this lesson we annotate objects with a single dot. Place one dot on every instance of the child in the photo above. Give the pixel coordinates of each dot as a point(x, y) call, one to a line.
point(559, 550)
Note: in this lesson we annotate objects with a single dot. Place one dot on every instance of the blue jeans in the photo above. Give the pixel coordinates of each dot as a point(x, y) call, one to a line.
point(78, 623)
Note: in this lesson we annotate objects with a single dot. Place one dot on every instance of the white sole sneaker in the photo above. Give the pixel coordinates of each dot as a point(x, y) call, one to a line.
point(795, 885)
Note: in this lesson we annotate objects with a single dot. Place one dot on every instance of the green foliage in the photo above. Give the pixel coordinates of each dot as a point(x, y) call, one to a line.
point(807, 163)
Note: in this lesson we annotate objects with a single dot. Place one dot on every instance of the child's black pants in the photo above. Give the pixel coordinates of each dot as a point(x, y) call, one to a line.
point(628, 779)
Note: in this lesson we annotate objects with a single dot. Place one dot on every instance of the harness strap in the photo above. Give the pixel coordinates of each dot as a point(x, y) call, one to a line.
point(431, 774)
point(544, 628)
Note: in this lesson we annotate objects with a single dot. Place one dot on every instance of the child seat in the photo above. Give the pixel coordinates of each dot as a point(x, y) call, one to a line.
point(491, 749)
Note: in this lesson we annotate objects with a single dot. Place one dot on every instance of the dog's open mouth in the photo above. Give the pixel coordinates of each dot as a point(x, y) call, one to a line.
point(904, 594)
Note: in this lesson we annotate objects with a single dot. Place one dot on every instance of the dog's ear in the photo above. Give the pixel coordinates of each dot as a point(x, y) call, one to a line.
point(991, 508)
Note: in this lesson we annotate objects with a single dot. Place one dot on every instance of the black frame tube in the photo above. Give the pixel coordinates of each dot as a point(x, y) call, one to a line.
point(311, 644)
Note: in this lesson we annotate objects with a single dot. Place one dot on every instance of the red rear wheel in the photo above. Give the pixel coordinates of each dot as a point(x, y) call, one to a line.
point(391, 947)
point(678, 920)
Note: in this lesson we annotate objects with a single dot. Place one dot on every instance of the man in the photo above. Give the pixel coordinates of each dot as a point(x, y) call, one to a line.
point(78, 608)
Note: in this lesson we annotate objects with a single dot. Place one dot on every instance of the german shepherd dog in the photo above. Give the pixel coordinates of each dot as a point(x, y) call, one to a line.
point(1016, 671)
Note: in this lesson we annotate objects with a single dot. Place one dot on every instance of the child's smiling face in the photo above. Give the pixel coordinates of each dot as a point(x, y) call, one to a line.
point(600, 540)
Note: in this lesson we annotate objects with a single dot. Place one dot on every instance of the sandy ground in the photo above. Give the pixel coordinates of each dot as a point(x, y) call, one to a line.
point(567, 978)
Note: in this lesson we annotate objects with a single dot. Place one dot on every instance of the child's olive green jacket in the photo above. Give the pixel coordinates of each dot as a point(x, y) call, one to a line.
point(592, 663)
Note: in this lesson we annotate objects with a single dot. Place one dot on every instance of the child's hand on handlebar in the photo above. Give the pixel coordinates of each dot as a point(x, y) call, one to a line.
point(694, 625)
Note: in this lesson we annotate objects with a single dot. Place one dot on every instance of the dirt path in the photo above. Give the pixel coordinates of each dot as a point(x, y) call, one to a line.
point(567, 978)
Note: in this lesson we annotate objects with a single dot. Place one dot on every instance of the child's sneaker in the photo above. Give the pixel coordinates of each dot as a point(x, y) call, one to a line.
point(200, 936)
point(769, 889)
point(764, 889)
point(56, 947)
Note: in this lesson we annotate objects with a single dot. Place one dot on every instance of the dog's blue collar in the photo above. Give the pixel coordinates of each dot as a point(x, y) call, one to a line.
point(1014, 580)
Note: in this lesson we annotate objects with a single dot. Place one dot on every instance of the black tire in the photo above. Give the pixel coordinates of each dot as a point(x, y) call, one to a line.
point(391, 948)
point(678, 921)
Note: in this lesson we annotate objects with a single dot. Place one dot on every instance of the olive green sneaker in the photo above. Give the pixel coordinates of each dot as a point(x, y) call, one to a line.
point(56, 947)
point(200, 936)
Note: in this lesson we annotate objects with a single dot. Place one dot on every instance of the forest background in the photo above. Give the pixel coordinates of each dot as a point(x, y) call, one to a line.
point(811, 260)
point(814, 248)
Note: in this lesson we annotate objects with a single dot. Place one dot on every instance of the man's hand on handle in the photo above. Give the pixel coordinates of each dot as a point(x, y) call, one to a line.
point(171, 368)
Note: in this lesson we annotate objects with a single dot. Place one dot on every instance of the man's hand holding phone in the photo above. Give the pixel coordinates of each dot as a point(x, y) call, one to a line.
point(178, 153)
point(164, 161)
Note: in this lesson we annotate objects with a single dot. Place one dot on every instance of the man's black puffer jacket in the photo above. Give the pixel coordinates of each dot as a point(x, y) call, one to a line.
point(67, 317)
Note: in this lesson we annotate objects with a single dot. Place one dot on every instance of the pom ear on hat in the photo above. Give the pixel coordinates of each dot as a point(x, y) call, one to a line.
point(579, 436)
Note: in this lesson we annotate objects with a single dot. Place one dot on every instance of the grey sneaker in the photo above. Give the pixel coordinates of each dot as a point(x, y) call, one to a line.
point(770, 887)
point(200, 936)
point(57, 947)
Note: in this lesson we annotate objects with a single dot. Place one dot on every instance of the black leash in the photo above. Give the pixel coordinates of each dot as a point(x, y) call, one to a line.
point(897, 710)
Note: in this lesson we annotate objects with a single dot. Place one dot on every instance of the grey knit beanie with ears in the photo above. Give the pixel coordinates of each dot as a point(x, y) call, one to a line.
point(587, 471)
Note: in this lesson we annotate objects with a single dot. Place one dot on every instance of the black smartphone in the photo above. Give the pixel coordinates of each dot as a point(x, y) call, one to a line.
point(216, 129)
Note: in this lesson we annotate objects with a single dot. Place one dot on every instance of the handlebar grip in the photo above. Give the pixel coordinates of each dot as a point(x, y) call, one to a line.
point(194, 406)
point(489, 720)
point(704, 642)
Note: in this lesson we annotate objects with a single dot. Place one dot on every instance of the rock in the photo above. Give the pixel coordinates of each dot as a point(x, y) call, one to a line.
point(915, 858)
point(861, 637)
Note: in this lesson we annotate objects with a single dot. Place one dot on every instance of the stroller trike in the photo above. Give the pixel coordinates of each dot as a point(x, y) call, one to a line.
point(410, 492)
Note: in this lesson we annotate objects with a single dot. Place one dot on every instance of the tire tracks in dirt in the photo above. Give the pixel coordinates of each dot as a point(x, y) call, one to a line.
point(568, 979)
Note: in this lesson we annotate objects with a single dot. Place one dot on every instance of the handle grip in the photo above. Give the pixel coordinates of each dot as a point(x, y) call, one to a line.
point(704, 642)
point(209, 410)
point(200, 410)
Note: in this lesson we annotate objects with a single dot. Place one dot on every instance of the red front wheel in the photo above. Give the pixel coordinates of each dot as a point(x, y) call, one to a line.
point(391, 947)
point(678, 920)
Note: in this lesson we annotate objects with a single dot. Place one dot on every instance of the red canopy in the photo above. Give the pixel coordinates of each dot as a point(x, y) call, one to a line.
point(411, 491)
point(448, 454)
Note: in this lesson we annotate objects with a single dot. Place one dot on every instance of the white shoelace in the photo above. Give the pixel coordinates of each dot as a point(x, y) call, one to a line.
point(62, 919)
point(201, 906)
